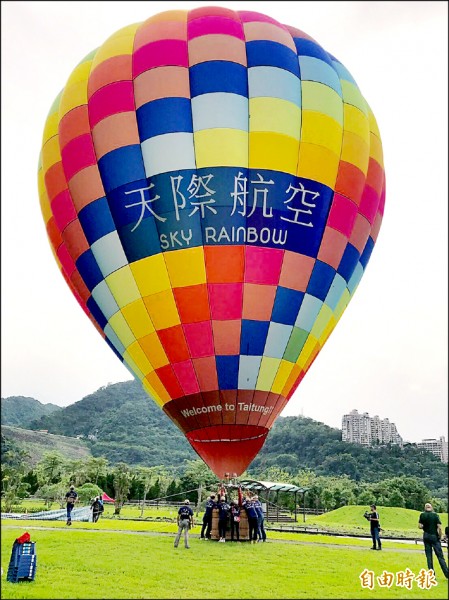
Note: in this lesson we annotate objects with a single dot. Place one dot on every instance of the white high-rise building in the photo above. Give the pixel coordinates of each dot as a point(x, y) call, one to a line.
point(363, 429)
point(437, 447)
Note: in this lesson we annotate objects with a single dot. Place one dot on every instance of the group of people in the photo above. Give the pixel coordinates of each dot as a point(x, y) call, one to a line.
point(229, 516)
point(429, 522)
point(72, 498)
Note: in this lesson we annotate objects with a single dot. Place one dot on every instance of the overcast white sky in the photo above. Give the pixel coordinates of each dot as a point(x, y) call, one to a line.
point(389, 353)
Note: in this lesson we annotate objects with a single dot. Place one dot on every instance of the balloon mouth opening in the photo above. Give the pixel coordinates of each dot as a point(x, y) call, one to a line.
point(228, 448)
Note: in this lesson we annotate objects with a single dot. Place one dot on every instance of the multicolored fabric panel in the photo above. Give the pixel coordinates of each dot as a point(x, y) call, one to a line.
point(212, 184)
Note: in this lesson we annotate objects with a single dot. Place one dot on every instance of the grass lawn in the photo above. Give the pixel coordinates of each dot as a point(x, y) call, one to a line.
point(115, 559)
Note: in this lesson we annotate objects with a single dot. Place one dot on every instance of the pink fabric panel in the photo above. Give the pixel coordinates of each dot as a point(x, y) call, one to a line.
point(160, 54)
point(263, 265)
point(66, 260)
point(199, 339)
point(208, 25)
point(111, 99)
point(186, 376)
point(226, 300)
point(369, 203)
point(63, 210)
point(248, 16)
point(342, 215)
point(77, 155)
point(206, 372)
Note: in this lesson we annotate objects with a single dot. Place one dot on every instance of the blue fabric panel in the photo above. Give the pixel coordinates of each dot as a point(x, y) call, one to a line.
point(95, 311)
point(140, 243)
point(117, 354)
point(274, 83)
point(366, 254)
point(320, 280)
point(267, 53)
point(253, 337)
point(96, 220)
point(227, 370)
point(105, 300)
point(121, 166)
point(348, 262)
point(277, 340)
point(342, 71)
point(248, 372)
point(183, 233)
point(286, 305)
point(89, 269)
point(127, 202)
point(113, 338)
point(335, 292)
point(308, 312)
point(309, 48)
point(355, 278)
point(218, 76)
point(314, 69)
point(165, 115)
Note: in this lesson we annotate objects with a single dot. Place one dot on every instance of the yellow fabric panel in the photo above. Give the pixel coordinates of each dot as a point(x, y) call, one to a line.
point(373, 123)
point(312, 356)
point(51, 153)
point(43, 197)
point(186, 267)
point(119, 43)
point(162, 310)
point(80, 74)
point(267, 373)
point(352, 95)
point(154, 351)
point(152, 393)
point(151, 275)
point(273, 151)
point(355, 151)
point(375, 149)
point(121, 328)
point(221, 148)
point(321, 98)
point(285, 368)
point(327, 330)
point(123, 287)
point(73, 96)
point(318, 163)
point(51, 127)
point(275, 114)
point(138, 319)
point(357, 122)
point(131, 365)
point(306, 351)
point(321, 321)
point(135, 352)
point(322, 130)
point(158, 391)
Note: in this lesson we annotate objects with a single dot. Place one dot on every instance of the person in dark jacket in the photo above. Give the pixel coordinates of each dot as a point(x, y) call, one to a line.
point(430, 523)
point(235, 521)
point(185, 522)
point(223, 515)
point(374, 521)
point(248, 505)
point(262, 536)
point(97, 509)
point(71, 499)
point(207, 517)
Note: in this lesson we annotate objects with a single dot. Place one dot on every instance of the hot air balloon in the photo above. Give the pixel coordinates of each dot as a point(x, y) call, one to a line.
point(212, 186)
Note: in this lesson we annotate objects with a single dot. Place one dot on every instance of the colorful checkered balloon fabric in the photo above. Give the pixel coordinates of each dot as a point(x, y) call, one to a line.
point(212, 185)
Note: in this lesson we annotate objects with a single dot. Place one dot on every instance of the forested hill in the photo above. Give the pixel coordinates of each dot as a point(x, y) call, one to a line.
point(122, 423)
point(298, 442)
point(20, 411)
point(126, 425)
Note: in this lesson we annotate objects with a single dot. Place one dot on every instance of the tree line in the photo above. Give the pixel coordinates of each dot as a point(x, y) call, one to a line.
point(52, 475)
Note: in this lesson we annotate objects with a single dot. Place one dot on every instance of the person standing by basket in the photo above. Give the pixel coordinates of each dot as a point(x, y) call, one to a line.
point(235, 521)
point(207, 518)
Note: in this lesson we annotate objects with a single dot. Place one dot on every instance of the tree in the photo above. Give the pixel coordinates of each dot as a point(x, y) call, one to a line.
point(197, 475)
point(51, 468)
point(14, 468)
point(54, 492)
point(122, 484)
point(87, 492)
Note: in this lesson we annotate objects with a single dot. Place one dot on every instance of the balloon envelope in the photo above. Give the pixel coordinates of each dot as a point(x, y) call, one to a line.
point(212, 186)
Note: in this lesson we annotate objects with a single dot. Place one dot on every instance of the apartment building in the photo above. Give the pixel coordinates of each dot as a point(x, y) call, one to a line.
point(437, 447)
point(363, 429)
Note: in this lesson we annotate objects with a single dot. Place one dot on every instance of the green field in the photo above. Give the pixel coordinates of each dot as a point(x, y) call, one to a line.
point(116, 558)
